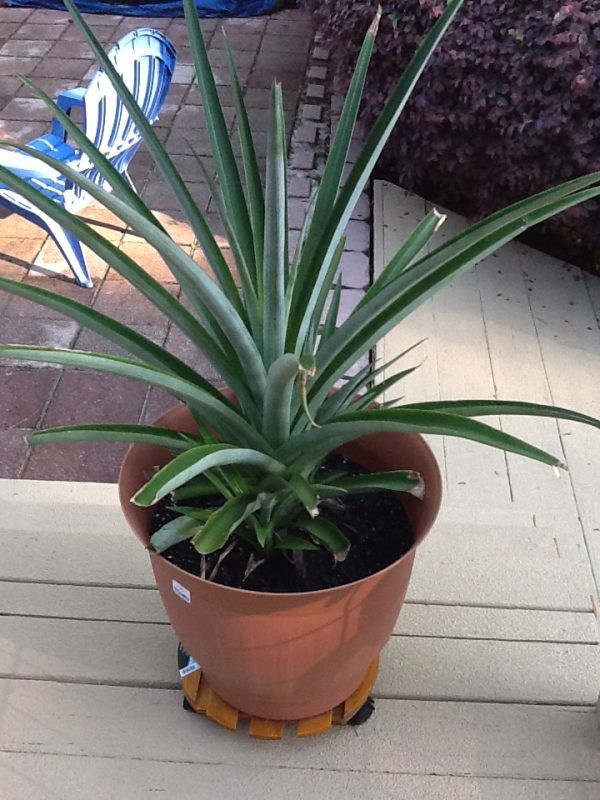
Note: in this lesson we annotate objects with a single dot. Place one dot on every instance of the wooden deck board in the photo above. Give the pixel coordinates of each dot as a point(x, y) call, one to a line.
point(415, 737)
point(39, 776)
point(131, 654)
point(111, 604)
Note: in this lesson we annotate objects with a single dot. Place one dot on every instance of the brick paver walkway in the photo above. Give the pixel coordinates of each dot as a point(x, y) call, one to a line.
point(48, 47)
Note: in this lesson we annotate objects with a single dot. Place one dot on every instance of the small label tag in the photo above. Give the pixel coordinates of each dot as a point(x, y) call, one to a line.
point(191, 666)
point(182, 592)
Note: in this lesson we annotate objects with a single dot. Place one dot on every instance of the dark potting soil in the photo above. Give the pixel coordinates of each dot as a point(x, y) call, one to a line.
point(375, 523)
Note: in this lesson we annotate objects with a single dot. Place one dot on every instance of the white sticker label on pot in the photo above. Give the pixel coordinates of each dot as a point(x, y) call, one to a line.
point(191, 666)
point(182, 592)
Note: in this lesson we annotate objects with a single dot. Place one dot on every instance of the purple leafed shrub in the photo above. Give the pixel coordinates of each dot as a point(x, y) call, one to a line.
point(509, 105)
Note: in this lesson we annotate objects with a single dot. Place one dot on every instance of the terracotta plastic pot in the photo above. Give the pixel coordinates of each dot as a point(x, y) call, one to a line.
point(287, 656)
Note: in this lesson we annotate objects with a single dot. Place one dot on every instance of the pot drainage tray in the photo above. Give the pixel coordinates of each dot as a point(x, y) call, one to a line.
point(199, 698)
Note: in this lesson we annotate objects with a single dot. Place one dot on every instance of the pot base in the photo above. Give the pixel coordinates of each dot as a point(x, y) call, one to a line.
point(200, 699)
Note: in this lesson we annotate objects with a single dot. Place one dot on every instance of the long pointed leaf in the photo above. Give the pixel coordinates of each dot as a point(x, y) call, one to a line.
point(197, 461)
point(336, 160)
point(222, 523)
point(372, 393)
point(278, 398)
point(109, 252)
point(316, 259)
point(225, 163)
point(295, 543)
point(161, 157)
point(332, 272)
point(201, 514)
point(230, 423)
point(177, 530)
point(519, 210)
point(142, 434)
point(330, 322)
point(394, 481)
point(275, 266)
point(352, 426)
point(481, 408)
point(340, 146)
point(299, 246)
point(246, 274)
point(367, 325)
point(116, 332)
point(256, 200)
point(216, 305)
point(201, 487)
point(305, 492)
point(343, 397)
point(410, 249)
point(181, 265)
point(328, 534)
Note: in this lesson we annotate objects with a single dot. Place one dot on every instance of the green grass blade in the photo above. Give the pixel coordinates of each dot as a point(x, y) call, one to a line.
point(196, 461)
point(275, 264)
point(256, 200)
point(225, 162)
point(223, 418)
point(141, 434)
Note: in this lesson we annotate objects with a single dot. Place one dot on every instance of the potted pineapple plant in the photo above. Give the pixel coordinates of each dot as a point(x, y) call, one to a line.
point(281, 515)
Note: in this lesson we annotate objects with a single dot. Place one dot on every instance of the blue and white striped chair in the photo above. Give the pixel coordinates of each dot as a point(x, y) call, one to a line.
point(145, 59)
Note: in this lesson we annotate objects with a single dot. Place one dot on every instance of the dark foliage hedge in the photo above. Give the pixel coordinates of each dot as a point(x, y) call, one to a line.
point(509, 105)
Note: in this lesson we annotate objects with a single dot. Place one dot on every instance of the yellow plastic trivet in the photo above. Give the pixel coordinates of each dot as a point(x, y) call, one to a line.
point(202, 700)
